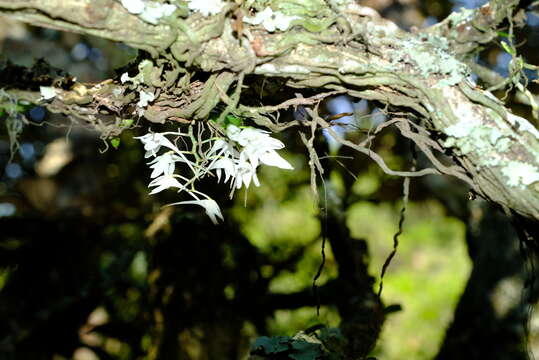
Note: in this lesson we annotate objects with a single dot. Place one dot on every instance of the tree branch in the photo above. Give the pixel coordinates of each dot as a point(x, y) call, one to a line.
point(352, 49)
point(102, 18)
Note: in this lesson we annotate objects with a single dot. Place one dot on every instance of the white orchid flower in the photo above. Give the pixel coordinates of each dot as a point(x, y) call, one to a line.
point(245, 172)
point(211, 207)
point(153, 142)
point(164, 182)
point(271, 158)
point(164, 164)
point(226, 164)
point(234, 133)
point(252, 136)
point(221, 147)
point(258, 147)
point(237, 157)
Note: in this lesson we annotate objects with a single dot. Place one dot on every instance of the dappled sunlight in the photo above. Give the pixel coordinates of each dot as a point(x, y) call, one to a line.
point(426, 277)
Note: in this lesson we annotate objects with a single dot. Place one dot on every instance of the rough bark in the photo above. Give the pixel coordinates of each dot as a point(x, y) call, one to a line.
point(347, 48)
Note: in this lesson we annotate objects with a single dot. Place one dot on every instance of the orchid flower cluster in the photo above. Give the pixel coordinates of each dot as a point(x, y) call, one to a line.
point(236, 156)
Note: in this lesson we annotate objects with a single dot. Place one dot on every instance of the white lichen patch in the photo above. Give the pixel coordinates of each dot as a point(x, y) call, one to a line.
point(47, 92)
point(144, 66)
point(272, 69)
point(125, 78)
point(522, 124)
point(472, 135)
point(206, 7)
point(133, 6)
point(266, 69)
point(520, 174)
point(149, 11)
point(294, 69)
point(271, 20)
point(462, 129)
point(460, 16)
point(145, 98)
point(155, 11)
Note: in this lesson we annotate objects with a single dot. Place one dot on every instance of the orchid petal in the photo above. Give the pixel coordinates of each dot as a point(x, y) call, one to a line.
point(164, 182)
point(211, 207)
point(271, 158)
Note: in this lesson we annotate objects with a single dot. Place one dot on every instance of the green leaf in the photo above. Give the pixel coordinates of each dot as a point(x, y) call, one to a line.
point(231, 119)
point(270, 345)
point(303, 350)
point(126, 122)
point(503, 34)
point(511, 50)
point(115, 142)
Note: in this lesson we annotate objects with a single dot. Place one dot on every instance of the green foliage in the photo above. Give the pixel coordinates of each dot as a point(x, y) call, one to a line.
point(325, 345)
point(15, 120)
point(115, 142)
point(227, 120)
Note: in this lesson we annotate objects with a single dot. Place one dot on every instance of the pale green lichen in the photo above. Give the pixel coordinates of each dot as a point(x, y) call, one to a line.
point(312, 15)
point(431, 56)
point(462, 129)
point(463, 14)
point(522, 124)
point(472, 136)
point(503, 144)
point(520, 174)
point(143, 77)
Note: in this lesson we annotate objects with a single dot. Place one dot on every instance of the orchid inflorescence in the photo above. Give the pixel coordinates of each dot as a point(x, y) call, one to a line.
point(235, 155)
